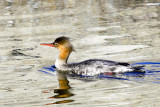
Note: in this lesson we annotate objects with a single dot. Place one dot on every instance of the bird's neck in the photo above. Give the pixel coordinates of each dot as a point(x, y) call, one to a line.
point(63, 58)
point(64, 55)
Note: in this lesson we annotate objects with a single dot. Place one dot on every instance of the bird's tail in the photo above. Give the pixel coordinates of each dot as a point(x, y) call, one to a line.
point(138, 69)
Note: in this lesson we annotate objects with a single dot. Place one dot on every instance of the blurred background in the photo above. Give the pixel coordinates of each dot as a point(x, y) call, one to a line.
point(119, 30)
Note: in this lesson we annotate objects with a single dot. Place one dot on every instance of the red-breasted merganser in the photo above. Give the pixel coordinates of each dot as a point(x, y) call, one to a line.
point(89, 67)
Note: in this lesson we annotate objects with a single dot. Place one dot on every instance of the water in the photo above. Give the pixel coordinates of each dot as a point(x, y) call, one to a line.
point(123, 30)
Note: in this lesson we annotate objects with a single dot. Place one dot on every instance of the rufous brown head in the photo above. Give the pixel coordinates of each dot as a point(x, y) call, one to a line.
point(60, 43)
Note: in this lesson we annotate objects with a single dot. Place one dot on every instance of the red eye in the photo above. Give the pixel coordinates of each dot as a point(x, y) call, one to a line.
point(56, 44)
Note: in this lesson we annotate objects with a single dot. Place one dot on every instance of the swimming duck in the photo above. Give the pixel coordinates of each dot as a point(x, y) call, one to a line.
point(88, 67)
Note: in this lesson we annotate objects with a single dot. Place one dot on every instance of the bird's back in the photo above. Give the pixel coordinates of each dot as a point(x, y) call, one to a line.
point(97, 66)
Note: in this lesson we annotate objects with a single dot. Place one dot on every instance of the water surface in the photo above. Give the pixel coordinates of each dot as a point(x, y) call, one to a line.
point(123, 30)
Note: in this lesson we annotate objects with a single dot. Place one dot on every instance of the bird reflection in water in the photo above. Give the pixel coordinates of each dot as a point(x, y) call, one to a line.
point(63, 91)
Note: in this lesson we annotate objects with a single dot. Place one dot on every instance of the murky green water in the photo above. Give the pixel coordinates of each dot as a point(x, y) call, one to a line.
point(123, 30)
